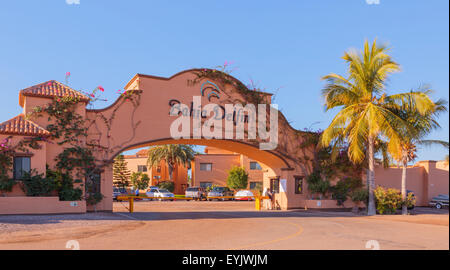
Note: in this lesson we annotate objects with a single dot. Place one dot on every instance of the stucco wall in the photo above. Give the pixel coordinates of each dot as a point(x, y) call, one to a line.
point(39, 205)
point(426, 179)
point(221, 164)
point(38, 157)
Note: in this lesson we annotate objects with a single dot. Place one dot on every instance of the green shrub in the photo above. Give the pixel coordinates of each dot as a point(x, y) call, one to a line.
point(64, 186)
point(237, 178)
point(410, 200)
point(6, 184)
point(94, 198)
point(343, 188)
point(360, 195)
point(169, 185)
point(317, 185)
point(36, 185)
point(387, 200)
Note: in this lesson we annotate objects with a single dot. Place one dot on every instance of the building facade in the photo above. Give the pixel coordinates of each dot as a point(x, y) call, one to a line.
point(160, 173)
point(212, 168)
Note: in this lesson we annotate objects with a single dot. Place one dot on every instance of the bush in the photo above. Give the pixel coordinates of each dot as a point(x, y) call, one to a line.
point(6, 184)
point(343, 188)
point(64, 186)
point(387, 200)
point(169, 185)
point(36, 185)
point(360, 195)
point(410, 200)
point(237, 178)
point(317, 185)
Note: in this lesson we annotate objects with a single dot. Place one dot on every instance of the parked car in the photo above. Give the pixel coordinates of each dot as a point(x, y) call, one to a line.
point(197, 193)
point(244, 195)
point(151, 191)
point(164, 193)
point(118, 192)
point(439, 201)
point(221, 192)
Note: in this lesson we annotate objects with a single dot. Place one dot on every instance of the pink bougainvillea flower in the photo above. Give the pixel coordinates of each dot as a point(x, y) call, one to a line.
point(101, 88)
point(49, 83)
point(67, 74)
point(92, 95)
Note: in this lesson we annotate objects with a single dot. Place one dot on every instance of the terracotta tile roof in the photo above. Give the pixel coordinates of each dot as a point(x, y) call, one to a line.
point(140, 154)
point(21, 126)
point(50, 89)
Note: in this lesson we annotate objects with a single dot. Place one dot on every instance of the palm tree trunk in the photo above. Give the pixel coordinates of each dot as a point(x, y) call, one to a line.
point(371, 211)
point(170, 170)
point(404, 207)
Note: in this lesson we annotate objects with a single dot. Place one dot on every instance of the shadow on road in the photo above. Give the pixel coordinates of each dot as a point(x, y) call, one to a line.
point(187, 215)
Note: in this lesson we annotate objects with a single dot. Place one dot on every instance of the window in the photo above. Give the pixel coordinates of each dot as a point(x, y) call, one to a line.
point(275, 185)
point(158, 169)
point(298, 185)
point(205, 184)
point(205, 166)
point(142, 168)
point(93, 183)
point(256, 185)
point(255, 166)
point(21, 165)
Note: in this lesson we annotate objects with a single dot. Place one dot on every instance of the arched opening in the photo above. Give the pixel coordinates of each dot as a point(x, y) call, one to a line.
point(239, 154)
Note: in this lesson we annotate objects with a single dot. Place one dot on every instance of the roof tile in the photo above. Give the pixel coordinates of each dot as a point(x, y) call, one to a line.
point(21, 126)
point(51, 89)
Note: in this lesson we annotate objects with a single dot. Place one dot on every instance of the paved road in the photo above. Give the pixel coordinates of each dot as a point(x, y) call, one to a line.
point(223, 225)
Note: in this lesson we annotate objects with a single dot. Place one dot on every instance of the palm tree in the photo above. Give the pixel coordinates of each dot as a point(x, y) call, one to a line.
point(172, 154)
point(422, 125)
point(365, 114)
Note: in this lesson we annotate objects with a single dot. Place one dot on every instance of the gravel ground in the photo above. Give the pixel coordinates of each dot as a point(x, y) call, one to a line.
point(20, 223)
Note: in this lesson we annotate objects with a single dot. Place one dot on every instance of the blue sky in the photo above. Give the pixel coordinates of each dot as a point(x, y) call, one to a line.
point(285, 45)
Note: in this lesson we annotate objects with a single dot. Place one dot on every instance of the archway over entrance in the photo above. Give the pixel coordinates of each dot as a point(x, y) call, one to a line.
point(141, 117)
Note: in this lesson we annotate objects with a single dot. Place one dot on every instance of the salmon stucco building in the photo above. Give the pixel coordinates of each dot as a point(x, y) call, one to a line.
point(211, 168)
point(138, 163)
point(141, 117)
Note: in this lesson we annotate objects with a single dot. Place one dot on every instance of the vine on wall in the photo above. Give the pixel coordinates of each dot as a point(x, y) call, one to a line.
point(82, 157)
point(324, 164)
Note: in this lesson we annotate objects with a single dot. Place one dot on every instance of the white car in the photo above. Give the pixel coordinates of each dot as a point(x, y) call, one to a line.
point(151, 191)
point(164, 193)
point(244, 195)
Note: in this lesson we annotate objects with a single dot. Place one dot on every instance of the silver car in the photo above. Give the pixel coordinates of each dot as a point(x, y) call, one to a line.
point(197, 193)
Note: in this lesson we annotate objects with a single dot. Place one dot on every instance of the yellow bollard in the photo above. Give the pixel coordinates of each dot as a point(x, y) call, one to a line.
point(258, 203)
point(131, 200)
